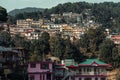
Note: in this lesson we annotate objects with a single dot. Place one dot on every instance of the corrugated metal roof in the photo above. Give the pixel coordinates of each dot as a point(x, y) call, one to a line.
point(4, 49)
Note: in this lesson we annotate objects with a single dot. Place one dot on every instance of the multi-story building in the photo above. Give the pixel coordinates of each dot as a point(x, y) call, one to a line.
point(28, 32)
point(24, 23)
point(70, 17)
point(40, 70)
point(115, 39)
point(10, 59)
point(78, 31)
point(32, 35)
point(56, 17)
point(91, 69)
point(29, 23)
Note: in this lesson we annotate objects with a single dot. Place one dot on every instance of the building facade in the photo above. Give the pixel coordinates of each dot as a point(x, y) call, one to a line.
point(40, 70)
point(11, 62)
point(91, 69)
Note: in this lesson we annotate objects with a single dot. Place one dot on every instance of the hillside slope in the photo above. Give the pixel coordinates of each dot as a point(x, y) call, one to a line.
point(28, 9)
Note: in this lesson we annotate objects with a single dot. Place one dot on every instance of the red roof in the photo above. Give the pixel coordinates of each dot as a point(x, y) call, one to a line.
point(72, 66)
point(115, 36)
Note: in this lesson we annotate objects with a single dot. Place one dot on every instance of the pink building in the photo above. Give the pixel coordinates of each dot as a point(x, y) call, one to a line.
point(40, 70)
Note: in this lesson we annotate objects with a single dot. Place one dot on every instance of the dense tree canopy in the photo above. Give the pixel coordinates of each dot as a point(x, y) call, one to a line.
point(57, 46)
point(64, 48)
point(5, 39)
point(90, 41)
point(109, 53)
point(33, 15)
point(3, 14)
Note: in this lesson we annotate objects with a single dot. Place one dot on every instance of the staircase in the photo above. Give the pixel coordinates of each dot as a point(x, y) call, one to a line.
point(67, 75)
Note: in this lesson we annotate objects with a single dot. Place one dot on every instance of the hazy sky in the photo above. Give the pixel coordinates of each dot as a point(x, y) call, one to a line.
point(18, 4)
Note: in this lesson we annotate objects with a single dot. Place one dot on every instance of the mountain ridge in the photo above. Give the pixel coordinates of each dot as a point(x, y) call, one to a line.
point(23, 10)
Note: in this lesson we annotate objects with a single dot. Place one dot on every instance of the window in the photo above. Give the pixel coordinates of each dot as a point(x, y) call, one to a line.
point(44, 66)
point(84, 69)
point(48, 76)
point(95, 71)
point(32, 77)
point(80, 71)
point(89, 69)
point(103, 79)
point(102, 70)
point(43, 77)
point(40, 76)
point(96, 78)
point(0, 64)
point(33, 65)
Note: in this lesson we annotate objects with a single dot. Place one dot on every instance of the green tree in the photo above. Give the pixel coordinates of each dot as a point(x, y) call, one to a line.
point(6, 38)
point(3, 14)
point(106, 51)
point(64, 48)
point(25, 15)
point(43, 44)
point(72, 51)
point(18, 41)
point(115, 57)
point(45, 36)
point(90, 41)
point(68, 49)
point(109, 53)
point(57, 46)
point(35, 57)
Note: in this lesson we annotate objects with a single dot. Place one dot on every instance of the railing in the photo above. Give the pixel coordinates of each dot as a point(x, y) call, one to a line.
point(40, 70)
point(69, 74)
point(92, 73)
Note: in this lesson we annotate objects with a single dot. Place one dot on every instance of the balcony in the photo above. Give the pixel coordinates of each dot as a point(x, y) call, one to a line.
point(92, 73)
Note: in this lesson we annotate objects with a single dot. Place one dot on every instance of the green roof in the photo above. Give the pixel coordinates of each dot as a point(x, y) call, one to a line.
point(69, 62)
point(90, 61)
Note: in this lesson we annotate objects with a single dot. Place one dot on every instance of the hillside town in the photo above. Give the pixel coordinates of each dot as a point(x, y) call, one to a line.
point(29, 27)
point(32, 29)
point(63, 46)
point(68, 69)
